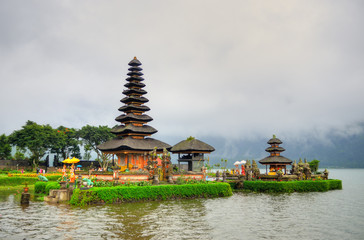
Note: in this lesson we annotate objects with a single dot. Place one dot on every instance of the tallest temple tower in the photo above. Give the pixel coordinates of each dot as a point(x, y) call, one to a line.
point(132, 142)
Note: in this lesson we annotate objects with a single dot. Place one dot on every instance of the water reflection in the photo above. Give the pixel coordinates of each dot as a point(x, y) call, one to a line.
point(328, 215)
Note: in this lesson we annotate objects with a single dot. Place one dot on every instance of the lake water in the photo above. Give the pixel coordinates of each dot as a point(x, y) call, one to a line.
point(335, 214)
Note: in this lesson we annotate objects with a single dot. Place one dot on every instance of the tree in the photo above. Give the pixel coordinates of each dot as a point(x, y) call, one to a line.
point(314, 165)
point(92, 137)
point(87, 155)
point(5, 148)
point(66, 143)
point(19, 154)
point(35, 138)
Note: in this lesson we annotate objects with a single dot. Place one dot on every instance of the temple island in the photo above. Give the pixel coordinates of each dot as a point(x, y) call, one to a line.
point(142, 160)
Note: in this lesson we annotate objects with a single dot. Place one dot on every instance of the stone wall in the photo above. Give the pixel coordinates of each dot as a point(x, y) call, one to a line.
point(14, 164)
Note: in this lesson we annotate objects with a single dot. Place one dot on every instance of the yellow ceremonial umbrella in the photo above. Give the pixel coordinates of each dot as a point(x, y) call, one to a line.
point(73, 160)
point(66, 160)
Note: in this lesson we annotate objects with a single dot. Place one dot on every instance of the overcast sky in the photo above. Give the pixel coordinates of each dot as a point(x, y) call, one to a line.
point(239, 69)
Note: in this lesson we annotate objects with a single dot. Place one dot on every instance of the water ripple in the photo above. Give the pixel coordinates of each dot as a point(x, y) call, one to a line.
point(328, 215)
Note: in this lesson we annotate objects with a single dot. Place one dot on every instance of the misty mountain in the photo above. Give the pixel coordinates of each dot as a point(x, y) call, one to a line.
point(345, 152)
point(335, 151)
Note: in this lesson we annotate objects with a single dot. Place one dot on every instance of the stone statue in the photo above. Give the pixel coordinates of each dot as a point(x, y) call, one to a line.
point(155, 180)
point(152, 163)
point(256, 171)
point(294, 168)
point(217, 175)
point(307, 170)
point(248, 170)
point(325, 174)
point(279, 174)
point(300, 165)
point(224, 176)
point(249, 176)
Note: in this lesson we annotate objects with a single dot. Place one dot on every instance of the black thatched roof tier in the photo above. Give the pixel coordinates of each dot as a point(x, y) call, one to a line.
point(134, 62)
point(134, 99)
point(134, 91)
point(275, 149)
point(275, 159)
point(191, 145)
point(130, 107)
point(134, 78)
point(133, 117)
point(135, 73)
point(134, 84)
point(133, 69)
point(128, 143)
point(274, 140)
point(130, 128)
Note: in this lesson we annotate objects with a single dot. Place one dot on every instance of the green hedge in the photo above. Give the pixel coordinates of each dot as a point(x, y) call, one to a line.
point(293, 186)
point(141, 193)
point(39, 187)
point(12, 181)
point(44, 187)
point(335, 184)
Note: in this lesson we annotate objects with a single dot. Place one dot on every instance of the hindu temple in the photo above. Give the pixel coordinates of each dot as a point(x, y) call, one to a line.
point(132, 141)
point(275, 161)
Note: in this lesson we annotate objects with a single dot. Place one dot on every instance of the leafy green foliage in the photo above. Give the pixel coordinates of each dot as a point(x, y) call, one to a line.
point(190, 138)
point(314, 165)
point(92, 137)
point(142, 193)
point(52, 185)
point(44, 187)
point(293, 186)
point(36, 138)
point(66, 143)
point(98, 183)
point(19, 154)
point(5, 148)
point(39, 187)
point(13, 181)
point(335, 184)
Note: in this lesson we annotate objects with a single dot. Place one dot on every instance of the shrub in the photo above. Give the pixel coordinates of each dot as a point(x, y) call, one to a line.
point(12, 181)
point(293, 186)
point(160, 192)
point(98, 183)
point(335, 184)
point(51, 185)
point(39, 187)
point(44, 187)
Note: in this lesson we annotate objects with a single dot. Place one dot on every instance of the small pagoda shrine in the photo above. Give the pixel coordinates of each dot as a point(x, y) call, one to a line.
point(191, 151)
point(132, 142)
point(275, 161)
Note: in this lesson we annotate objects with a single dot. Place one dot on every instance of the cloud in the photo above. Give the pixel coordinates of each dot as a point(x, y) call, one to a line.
point(238, 69)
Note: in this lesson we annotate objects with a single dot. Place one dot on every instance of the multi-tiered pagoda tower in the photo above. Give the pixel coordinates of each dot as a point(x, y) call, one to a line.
point(275, 160)
point(132, 144)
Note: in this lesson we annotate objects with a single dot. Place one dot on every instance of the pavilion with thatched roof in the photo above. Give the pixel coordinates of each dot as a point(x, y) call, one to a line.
point(275, 160)
point(191, 151)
